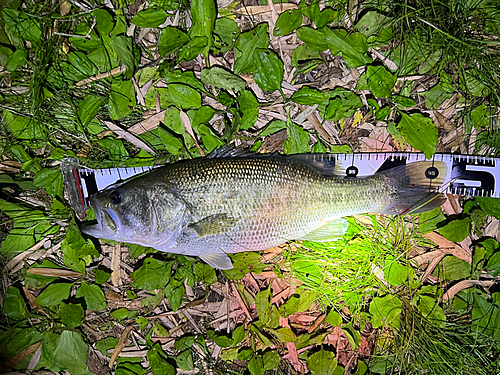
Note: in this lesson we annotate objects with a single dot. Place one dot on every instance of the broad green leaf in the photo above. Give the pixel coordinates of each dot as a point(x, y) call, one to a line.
point(184, 343)
point(486, 317)
point(54, 294)
point(239, 334)
point(333, 318)
point(14, 305)
point(71, 315)
point(154, 274)
point(271, 360)
point(210, 140)
point(305, 59)
point(122, 99)
point(171, 39)
point(284, 334)
point(174, 296)
point(24, 128)
point(308, 96)
point(220, 77)
point(101, 276)
point(158, 361)
point(352, 46)
point(88, 108)
point(187, 78)
point(172, 142)
point(51, 180)
point(150, 17)
point(85, 44)
point(288, 22)
point(380, 81)
point(255, 365)
point(263, 305)
point(457, 230)
point(93, 295)
point(203, 15)
point(273, 127)
point(16, 60)
point(184, 360)
point(420, 132)
point(429, 221)
point(249, 107)
point(472, 85)
point(142, 322)
point(104, 21)
point(314, 38)
point(114, 148)
point(452, 268)
point(184, 96)
point(20, 27)
point(106, 344)
point(430, 309)
point(245, 47)
point(222, 341)
point(193, 48)
point(326, 16)
point(386, 310)
point(71, 353)
point(172, 120)
point(297, 140)
point(268, 70)
point(371, 23)
point(322, 363)
point(205, 273)
point(395, 274)
point(121, 314)
point(124, 49)
point(228, 31)
point(493, 265)
point(490, 205)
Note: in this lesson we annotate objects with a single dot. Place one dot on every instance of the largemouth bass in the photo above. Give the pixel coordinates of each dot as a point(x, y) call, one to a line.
point(214, 206)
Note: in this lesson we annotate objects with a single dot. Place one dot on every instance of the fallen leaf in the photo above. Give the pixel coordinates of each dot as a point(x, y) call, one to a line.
point(148, 124)
point(53, 272)
point(129, 137)
point(122, 342)
point(465, 284)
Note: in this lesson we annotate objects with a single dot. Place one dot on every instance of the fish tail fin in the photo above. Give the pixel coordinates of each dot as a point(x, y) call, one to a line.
point(416, 186)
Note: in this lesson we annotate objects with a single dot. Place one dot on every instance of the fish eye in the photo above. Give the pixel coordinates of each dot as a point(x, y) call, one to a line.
point(115, 197)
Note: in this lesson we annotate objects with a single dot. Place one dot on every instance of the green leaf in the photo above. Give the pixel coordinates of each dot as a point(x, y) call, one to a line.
point(54, 294)
point(326, 16)
point(193, 48)
point(220, 77)
point(85, 43)
point(142, 322)
point(420, 132)
point(305, 59)
point(308, 96)
point(271, 360)
point(184, 96)
point(380, 81)
point(121, 314)
point(203, 15)
point(255, 366)
point(452, 268)
point(315, 39)
point(430, 309)
point(288, 22)
point(486, 317)
point(122, 99)
point(114, 148)
point(268, 70)
point(245, 47)
point(93, 295)
point(372, 23)
point(104, 21)
point(184, 343)
point(205, 273)
point(14, 305)
point(154, 274)
point(249, 106)
point(228, 31)
point(493, 265)
point(239, 334)
point(297, 140)
point(71, 352)
point(263, 305)
point(101, 276)
point(124, 49)
point(173, 144)
point(171, 39)
point(71, 315)
point(88, 108)
point(352, 46)
point(210, 140)
point(157, 360)
point(16, 60)
point(333, 318)
point(395, 274)
point(490, 205)
point(273, 127)
point(51, 179)
point(222, 341)
point(322, 363)
point(428, 221)
point(174, 296)
point(150, 17)
point(457, 230)
point(284, 334)
point(185, 360)
point(386, 310)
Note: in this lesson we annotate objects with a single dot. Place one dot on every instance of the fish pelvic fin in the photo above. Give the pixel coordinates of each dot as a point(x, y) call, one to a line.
point(331, 231)
point(217, 260)
point(416, 187)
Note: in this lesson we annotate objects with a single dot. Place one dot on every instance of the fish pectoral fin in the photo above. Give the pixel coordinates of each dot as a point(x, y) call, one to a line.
point(217, 260)
point(331, 231)
point(215, 224)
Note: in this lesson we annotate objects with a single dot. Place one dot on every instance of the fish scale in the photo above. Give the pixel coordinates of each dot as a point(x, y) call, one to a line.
point(214, 206)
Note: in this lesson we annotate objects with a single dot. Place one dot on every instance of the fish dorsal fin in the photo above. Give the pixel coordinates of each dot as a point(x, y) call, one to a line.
point(217, 260)
point(229, 151)
point(323, 163)
point(331, 231)
point(215, 224)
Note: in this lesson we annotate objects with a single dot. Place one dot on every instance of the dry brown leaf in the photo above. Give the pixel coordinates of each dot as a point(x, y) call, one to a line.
point(112, 72)
point(240, 301)
point(129, 137)
point(53, 272)
point(21, 355)
point(442, 122)
point(186, 122)
point(292, 348)
point(315, 325)
point(122, 342)
point(113, 296)
point(465, 284)
point(148, 124)
point(433, 264)
point(449, 247)
point(65, 8)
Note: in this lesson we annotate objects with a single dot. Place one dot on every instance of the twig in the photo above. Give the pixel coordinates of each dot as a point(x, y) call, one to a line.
point(240, 300)
point(112, 72)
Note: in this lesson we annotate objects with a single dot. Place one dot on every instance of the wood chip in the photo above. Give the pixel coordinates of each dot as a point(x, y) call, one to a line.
point(116, 258)
point(122, 342)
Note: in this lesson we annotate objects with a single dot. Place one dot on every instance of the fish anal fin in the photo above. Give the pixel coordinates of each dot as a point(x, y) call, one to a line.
point(215, 224)
point(217, 260)
point(331, 231)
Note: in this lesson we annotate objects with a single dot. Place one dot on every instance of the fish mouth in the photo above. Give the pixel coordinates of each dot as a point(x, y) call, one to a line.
point(107, 221)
